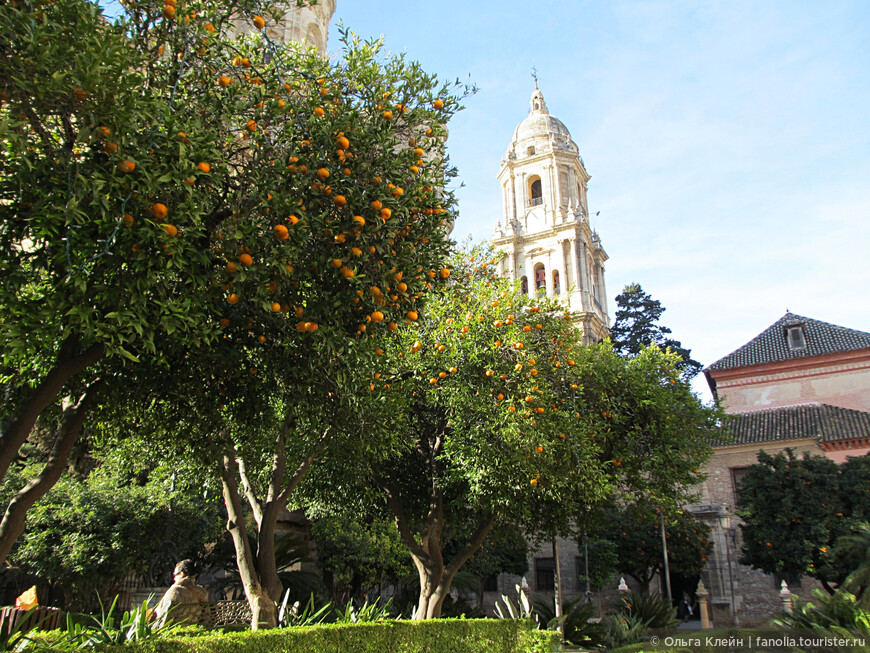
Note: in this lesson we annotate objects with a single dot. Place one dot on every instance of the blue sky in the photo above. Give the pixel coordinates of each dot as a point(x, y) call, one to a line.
point(728, 142)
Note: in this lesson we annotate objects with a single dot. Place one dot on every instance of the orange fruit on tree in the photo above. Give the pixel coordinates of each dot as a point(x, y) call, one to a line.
point(342, 142)
point(127, 166)
point(319, 112)
point(359, 221)
point(231, 267)
point(376, 205)
point(246, 260)
point(251, 125)
point(224, 322)
point(170, 230)
point(159, 210)
point(385, 214)
point(411, 315)
point(377, 316)
point(347, 273)
point(232, 298)
point(259, 23)
point(276, 307)
point(224, 81)
point(128, 219)
point(339, 200)
point(169, 11)
point(322, 173)
point(445, 272)
point(204, 167)
point(336, 263)
point(281, 232)
point(388, 115)
point(438, 104)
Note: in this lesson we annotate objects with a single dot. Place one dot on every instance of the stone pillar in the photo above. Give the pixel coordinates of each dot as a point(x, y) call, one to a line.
point(530, 275)
point(703, 595)
point(548, 275)
point(559, 266)
point(786, 597)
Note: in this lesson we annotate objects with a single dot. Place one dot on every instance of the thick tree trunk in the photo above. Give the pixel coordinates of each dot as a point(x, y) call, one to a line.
point(66, 366)
point(259, 572)
point(263, 608)
point(13, 521)
point(425, 547)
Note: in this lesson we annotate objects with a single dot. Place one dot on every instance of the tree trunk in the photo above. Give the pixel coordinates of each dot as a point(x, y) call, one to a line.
point(13, 521)
point(425, 548)
point(66, 366)
point(259, 573)
point(263, 608)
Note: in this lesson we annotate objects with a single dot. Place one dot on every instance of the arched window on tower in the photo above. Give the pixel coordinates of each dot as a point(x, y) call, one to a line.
point(524, 285)
point(540, 279)
point(536, 194)
point(555, 282)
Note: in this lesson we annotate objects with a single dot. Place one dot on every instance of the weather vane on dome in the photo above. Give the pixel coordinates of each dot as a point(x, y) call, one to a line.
point(535, 75)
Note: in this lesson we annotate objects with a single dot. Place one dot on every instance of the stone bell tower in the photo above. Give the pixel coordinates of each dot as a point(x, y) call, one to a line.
point(544, 232)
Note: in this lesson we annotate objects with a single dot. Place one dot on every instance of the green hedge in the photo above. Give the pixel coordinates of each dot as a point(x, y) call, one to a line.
point(435, 636)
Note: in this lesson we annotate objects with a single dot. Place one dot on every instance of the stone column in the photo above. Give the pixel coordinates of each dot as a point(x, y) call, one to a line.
point(548, 275)
point(786, 598)
point(703, 595)
point(530, 275)
point(559, 266)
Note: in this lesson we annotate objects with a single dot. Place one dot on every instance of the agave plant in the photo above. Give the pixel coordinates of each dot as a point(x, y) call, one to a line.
point(310, 615)
point(366, 612)
point(133, 626)
point(14, 636)
point(521, 610)
point(839, 610)
point(651, 610)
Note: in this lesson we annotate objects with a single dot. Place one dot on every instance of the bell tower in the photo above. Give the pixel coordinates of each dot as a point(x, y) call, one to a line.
point(544, 231)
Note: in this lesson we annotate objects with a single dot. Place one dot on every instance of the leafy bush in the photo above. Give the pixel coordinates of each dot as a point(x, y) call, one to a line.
point(840, 610)
point(435, 636)
point(651, 610)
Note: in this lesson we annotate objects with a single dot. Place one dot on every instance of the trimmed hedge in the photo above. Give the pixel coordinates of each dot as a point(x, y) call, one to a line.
point(435, 636)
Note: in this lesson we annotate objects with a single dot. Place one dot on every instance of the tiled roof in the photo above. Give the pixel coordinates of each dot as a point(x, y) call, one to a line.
point(771, 345)
point(822, 422)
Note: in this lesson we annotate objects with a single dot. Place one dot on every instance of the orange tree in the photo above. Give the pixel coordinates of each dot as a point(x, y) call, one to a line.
point(165, 179)
point(499, 412)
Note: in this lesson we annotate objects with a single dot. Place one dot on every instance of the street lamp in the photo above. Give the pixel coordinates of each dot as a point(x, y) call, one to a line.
point(725, 524)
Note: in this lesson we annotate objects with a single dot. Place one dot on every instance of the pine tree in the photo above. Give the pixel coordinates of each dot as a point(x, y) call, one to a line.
point(636, 326)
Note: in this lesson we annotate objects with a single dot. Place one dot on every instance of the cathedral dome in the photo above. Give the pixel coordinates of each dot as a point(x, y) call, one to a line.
point(539, 129)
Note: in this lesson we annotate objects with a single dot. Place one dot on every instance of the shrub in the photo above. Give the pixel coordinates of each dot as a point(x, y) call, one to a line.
point(651, 610)
point(435, 636)
point(840, 610)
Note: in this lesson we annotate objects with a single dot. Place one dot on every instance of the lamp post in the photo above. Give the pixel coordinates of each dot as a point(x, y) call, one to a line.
point(725, 524)
point(667, 569)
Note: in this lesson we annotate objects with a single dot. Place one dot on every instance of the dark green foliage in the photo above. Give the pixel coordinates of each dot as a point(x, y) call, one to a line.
point(637, 535)
point(636, 326)
point(650, 609)
point(357, 556)
point(818, 503)
point(86, 536)
point(436, 636)
point(603, 562)
point(575, 623)
point(504, 551)
point(839, 610)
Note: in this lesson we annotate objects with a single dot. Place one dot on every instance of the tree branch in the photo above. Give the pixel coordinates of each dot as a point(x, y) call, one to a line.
point(250, 492)
point(286, 493)
point(43, 395)
point(73, 418)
